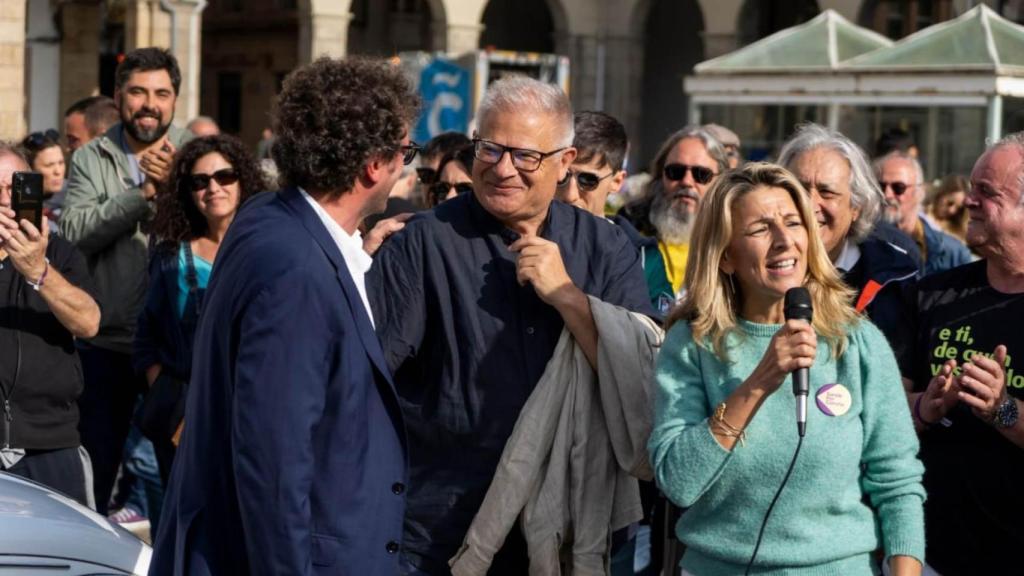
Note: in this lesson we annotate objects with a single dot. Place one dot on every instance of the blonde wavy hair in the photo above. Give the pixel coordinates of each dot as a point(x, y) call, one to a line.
point(711, 303)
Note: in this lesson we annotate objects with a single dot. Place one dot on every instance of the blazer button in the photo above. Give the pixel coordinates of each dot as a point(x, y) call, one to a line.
point(398, 488)
point(392, 547)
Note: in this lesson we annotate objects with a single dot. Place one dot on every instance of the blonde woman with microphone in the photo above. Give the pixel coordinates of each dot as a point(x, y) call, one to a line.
point(760, 496)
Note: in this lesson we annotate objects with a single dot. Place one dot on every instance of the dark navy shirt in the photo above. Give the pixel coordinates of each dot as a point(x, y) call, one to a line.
point(467, 344)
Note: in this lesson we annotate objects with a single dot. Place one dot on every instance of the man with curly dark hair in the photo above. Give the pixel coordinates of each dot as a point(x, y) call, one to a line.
point(292, 456)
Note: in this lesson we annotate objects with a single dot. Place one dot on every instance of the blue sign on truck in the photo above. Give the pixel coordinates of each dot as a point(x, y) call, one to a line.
point(444, 87)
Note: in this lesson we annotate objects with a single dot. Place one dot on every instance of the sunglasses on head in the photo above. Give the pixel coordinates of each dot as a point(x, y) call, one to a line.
point(426, 175)
point(440, 189)
point(585, 181)
point(223, 177)
point(898, 188)
point(676, 172)
point(40, 139)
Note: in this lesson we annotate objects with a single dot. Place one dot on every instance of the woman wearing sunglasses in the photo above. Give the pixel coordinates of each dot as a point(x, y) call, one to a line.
point(211, 178)
point(46, 156)
point(453, 176)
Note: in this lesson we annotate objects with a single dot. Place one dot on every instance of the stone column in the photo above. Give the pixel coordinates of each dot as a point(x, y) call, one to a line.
point(12, 69)
point(79, 52)
point(720, 34)
point(146, 25)
point(188, 49)
point(463, 38)
point(323, 29)
point(464, 25)
point(42, 59)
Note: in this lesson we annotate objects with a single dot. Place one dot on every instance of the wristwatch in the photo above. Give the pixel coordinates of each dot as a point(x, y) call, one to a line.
point(1006, 413)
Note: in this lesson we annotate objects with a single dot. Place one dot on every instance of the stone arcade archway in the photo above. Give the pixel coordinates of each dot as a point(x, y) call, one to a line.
point(387, 28)
point(522, 25)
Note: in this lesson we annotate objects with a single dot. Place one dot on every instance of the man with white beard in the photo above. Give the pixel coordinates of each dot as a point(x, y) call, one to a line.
point(682, 171)
point(902, 181)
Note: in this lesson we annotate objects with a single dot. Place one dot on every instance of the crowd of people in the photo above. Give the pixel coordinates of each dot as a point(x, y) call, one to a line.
point(327, 354)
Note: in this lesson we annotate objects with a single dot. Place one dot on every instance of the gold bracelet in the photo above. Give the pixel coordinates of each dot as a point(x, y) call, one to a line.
point(724, 428)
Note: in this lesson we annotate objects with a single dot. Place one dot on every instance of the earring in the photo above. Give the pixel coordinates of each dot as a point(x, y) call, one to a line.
point(732, 284)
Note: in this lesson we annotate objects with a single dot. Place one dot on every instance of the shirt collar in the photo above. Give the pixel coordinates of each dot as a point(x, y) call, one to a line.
point(849, 256)
point(350, 245)
point(491, 225)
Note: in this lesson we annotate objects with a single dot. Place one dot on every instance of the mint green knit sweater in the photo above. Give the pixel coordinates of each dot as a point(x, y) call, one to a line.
point(821, 524)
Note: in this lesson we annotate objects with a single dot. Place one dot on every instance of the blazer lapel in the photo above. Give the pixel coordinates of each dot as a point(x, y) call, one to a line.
point(311, 221)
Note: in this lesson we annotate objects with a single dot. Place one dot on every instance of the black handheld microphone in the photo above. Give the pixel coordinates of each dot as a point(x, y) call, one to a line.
point(798, 307)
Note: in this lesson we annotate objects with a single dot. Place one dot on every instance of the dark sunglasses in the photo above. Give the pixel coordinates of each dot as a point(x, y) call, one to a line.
point(426, 175)
point(409, 152)
point(898, 188)
point(676, 172)
point(585, 181)
point(224, 177)
point(40, 139)
point(440, 189)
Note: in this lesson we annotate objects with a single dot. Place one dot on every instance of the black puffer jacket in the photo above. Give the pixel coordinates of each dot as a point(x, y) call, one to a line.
point(882, 277)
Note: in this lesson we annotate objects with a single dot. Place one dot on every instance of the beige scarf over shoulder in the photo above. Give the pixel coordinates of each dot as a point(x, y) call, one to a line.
point(569, 469)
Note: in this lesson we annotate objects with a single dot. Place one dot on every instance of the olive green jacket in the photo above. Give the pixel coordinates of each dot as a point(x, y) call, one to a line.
point(103, 215)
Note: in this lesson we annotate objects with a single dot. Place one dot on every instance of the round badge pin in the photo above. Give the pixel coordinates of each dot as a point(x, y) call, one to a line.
point(834, 400)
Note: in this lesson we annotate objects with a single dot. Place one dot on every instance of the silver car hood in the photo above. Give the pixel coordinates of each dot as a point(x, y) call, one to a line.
point(36, 521)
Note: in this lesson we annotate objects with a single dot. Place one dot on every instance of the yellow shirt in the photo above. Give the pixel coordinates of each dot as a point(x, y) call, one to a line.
point(675, 256)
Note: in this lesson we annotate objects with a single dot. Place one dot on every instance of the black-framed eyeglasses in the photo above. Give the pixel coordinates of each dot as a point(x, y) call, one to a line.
point(676, 172)
point(440, 190)
point(43, 138)
point(223, 177)
point(426, 175)
point(523, 159)
point(409, 152)
point(585, 181)
point(898, 188)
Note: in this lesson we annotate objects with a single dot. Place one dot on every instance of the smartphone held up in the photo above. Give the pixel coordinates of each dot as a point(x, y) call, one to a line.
point(27, 197)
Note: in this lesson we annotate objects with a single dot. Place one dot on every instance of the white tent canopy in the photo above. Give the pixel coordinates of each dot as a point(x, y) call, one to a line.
point(972, 61)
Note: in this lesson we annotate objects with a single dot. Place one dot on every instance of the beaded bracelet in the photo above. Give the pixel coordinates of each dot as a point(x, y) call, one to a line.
point(42, 278)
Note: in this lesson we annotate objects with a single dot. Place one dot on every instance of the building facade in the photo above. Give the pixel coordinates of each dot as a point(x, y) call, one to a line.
point(628, 57)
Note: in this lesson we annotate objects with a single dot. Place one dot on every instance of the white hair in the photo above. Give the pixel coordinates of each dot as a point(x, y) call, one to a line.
point(914, 163)
point(14, 151)
point(864, 192)
point(522, 94)
point(1016, 140)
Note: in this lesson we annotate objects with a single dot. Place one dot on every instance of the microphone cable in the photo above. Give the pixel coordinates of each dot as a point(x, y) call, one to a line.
point(768, 513)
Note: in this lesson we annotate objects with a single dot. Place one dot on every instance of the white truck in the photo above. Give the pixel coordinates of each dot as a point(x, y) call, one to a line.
point(452, 86)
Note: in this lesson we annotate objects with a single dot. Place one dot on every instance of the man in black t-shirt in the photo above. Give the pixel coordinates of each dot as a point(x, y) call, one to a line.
point(42, 310)
point(969, 381)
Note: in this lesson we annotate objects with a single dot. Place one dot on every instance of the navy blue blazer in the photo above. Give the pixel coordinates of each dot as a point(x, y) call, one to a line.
point(292, 460)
